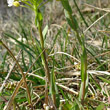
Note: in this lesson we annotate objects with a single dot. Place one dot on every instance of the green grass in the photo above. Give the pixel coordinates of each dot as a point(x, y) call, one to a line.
point(75, 63)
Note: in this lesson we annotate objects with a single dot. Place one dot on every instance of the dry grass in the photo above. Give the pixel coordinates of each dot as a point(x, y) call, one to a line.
point(63, 49)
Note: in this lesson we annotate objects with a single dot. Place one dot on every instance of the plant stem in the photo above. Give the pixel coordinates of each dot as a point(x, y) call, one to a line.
point(83, 73)
point(47, 72)
point(83, 62)
point(44, 56)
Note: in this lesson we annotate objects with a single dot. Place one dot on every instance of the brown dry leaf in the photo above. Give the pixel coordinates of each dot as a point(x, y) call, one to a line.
point(95, 42)
point(88, 10)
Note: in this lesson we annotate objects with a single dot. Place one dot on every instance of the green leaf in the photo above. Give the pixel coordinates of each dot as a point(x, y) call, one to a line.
point(100, 107)
point(21, 100)
point(39, 2)
point(77, 105)
point(52, 88)
point(84, 81)
point(40, 17)
point(95, 82)
point(105, 80)
point(23, 108)
point(45, 31)
point(66, 106)
point(22, 45)
point(66, 6)
point(81, 14)
point(57, 97)
point(84, 66)
point(0, 42)
point(71, 20)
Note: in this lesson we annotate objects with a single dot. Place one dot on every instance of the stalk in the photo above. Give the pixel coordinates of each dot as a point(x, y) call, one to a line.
point(73, 24)
point(83, 64)
point(47, 72)
point(83, 74)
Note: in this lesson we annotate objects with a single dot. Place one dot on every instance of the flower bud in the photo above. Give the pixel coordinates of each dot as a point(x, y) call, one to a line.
point(16, 4)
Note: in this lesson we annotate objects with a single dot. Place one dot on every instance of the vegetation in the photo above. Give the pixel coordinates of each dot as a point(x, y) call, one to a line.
point(56, 65)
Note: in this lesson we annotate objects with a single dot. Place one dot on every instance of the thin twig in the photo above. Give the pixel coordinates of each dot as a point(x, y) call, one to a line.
point(19, 84)
point(102, 54)
point(101, 9)
point(60, 85)
point(68, 79)
point(24, 79)
point(67, 89)
point(96, 22)
point(65, 54)
point(77, 73)
point(8, 75)
point(104, 31)
point(33, 92)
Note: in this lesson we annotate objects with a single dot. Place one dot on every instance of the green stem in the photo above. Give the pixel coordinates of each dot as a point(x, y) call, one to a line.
point(45, 63)
point(47, 72)
point(44, 55)
point(85, 77)
point(84, 62)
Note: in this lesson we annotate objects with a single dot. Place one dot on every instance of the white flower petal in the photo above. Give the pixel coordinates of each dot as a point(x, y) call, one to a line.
point(10, 2)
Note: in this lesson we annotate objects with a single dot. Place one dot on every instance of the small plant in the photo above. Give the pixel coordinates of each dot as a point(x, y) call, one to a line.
point(35, 6)
point(74, 25)
point(57, 66)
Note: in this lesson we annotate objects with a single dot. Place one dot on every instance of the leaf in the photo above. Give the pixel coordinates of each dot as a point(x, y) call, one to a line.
point(0, 42)
point(22, 45)
point(71, 20)
point(66, 6)
point(57, 97)
point(100, 107)
point(105, 80)
point(23, 108)
point(39, 2)
point(40, 17)
point(93, 80)
point(45, 31)
point(52, 80)
point(77, 105)
point(84, 79)
point(84, 66)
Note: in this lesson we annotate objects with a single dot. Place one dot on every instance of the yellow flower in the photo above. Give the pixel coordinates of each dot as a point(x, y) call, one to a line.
point(13, 3)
